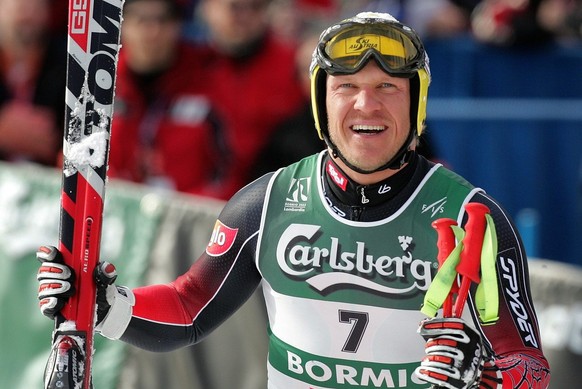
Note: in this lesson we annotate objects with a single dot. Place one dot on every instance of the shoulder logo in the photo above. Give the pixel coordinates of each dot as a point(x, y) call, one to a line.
point(298, 194)
point(436, 207)
point(221, 240)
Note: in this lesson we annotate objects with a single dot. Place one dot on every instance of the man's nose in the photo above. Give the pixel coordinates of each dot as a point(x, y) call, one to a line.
point(367, 101)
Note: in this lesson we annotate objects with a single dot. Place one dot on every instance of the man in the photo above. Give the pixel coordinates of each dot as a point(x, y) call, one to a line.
point(343, 247)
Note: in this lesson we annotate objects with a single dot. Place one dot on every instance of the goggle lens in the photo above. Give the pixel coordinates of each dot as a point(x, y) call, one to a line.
point(349, 50)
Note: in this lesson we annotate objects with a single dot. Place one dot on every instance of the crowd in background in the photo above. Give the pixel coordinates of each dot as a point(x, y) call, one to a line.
point(213, 93)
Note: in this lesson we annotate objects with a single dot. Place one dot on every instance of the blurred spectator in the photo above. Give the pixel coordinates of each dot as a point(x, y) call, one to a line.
point(252, 74)
point(164, 132)
point(563, 18)
point(509, 23)
point(32, 83)
point(290, 19)
point(451, 19)
point(296, 137)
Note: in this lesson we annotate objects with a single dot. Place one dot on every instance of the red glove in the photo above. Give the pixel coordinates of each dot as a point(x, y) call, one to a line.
point(56, 284)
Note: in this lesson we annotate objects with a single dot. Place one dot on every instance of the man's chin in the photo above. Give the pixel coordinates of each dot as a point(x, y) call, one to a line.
point(364, 167)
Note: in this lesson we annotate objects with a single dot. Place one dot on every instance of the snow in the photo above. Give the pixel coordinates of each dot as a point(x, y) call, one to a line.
point(67, 326)
point(89, 151)
point(86, 150)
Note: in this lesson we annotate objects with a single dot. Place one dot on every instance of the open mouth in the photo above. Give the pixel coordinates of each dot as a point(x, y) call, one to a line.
point(364, 129)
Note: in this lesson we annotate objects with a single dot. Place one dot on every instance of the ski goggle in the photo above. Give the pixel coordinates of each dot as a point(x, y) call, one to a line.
point(345, 49)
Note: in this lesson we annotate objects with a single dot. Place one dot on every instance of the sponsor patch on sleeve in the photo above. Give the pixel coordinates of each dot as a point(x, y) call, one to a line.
point(221, 240)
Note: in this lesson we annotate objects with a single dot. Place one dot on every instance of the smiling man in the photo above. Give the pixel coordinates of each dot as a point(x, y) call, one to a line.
point(342, 244)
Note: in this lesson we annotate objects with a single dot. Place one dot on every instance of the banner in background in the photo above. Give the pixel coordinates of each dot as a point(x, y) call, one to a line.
point(29, 217)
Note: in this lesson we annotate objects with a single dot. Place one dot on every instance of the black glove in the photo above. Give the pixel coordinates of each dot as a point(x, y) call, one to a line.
point(56, 285)
point(455, 355)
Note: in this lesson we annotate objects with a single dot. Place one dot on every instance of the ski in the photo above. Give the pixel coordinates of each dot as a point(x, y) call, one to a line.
point(93, 44)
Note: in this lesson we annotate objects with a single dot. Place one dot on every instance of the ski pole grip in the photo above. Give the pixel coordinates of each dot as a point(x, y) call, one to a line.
point(473, 242)
point(445, 238)
point(470, 262)
point(445, 244)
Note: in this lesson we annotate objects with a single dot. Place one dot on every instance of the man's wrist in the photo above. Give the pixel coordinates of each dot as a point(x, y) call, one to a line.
point(117, 319)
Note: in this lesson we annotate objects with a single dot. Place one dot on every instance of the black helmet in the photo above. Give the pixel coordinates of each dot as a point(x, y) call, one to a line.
point(346, 47)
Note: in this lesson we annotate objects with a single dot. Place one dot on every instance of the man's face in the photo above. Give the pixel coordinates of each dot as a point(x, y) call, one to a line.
point(150, 34)
point(368, 115)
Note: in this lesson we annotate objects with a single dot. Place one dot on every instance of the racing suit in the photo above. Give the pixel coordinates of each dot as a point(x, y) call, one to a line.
point(344, 269)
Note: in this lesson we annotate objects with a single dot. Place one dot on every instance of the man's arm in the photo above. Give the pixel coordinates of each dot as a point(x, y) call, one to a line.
point(514, 341)
point(169, 316)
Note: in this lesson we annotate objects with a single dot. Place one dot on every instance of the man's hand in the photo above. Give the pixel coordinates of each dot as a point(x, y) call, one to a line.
point(55, 281)
point(455, 355)
point(56, 284)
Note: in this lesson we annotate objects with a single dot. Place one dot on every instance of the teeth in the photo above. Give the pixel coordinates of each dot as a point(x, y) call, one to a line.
point(365, 128)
